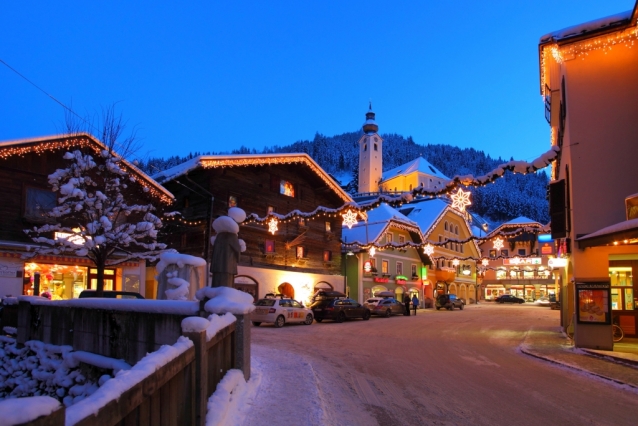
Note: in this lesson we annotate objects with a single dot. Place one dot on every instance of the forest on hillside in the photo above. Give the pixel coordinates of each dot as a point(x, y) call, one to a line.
point(509, 197)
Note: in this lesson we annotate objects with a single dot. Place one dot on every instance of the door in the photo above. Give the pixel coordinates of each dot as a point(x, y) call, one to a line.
point(109, 279)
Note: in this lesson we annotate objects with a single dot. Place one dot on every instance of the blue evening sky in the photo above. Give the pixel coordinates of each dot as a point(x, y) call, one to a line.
point(216, 75)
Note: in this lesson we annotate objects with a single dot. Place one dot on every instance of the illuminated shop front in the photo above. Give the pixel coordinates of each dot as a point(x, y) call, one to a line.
point(526, 278)
point(62, 277)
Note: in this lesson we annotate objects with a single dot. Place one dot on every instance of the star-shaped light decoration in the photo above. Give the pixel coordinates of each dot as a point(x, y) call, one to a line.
point(428, 249)
point(350, 218)
point(272, 225)
point(485, 262)
point(461, 199)
point(372, 251)
point(455, 262)
point(498, 243)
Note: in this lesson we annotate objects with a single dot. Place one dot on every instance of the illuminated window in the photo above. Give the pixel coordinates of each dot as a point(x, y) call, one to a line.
point(385, 267)
point(286, 188)
point(327, 256)
point(232, 201)
point(302, 252)
point(328, 227)
point(269, 246)
point(388, 237)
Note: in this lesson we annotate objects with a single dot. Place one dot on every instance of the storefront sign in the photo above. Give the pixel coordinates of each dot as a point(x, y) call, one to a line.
point(547, 249)
point(523, 261)
point(400, 279)
point(8, 273)
point(557, 262)
point(400, 282)
point(381, 279)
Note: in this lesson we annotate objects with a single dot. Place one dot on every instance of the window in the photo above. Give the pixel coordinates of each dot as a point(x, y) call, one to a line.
point(373, 264)
point(232, 201)
point(456, 230)
point(271, 209)
point(365, 147)
point(493, 253)
point(401, 239)
point(388, 237)
point(375, 147)
point(445, 225)
point(302, 252)
point(286, 188)
point(328, 227)
point(461, 247)
point(399, 268)
point(269, 246)
point(302, 221)
point(505, 253)
point(410, 187)
point(385, 267)
point(39, 202)
point(327, 256)
point(413, 269)
point(521, 252)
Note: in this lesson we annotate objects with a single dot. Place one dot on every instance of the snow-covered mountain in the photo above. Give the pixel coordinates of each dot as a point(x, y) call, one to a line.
point(509, 197)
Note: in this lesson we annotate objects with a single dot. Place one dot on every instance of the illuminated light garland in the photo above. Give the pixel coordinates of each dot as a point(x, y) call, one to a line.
point(461, 199)
point(498, 243)
point(272, 225)
point(581, 49)
point(40, 146)
point(408, 244)
point(184, 221)
point(475, 259)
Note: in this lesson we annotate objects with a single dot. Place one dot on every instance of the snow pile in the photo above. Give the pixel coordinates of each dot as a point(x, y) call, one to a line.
point(226, 299)
point(23, 410)
point(212, 325)
point(180, 292)
point(125, 380)
point(40, 369)
point(173, 257)
point(224, 402)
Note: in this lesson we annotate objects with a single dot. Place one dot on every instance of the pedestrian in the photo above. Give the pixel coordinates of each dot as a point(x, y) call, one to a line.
point(406, 302)
point(415, 302)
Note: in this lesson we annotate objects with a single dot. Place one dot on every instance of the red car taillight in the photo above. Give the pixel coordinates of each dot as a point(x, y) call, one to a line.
point(272, 310)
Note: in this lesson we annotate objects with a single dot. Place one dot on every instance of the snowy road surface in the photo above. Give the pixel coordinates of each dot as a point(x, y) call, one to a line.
point(440, 367)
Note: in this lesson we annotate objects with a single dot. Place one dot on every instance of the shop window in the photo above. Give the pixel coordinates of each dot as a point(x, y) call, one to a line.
point(131, 283)
point(38, 203)
point(109, 279)
point(622, 292)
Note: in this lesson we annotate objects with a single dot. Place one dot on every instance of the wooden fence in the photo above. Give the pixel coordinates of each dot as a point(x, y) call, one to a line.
point(177, 393)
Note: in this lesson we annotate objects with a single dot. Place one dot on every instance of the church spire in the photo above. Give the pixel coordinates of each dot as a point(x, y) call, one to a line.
point(370, 126)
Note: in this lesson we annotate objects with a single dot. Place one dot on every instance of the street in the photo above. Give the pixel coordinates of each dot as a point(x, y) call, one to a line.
point(441, 367)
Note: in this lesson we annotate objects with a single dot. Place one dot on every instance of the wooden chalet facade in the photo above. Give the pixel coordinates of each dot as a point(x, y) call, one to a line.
point(304, 254)
point(26, 197)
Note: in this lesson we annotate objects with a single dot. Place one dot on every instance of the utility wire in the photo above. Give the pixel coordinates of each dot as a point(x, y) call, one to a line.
point(45, 92)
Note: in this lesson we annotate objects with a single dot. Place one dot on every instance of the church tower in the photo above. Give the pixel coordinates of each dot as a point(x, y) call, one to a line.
point(370, 155)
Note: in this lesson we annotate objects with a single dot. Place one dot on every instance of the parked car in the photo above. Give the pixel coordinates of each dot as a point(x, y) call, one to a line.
point(339, 309)
point(112, 294)
point(449, 301)
point(385, 306)
point(279, 312)
point(508, 298)
point(542, 301)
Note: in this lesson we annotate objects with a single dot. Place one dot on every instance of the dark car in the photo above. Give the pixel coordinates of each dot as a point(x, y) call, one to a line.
point(112, 294)
point(508, 298)
point(449, 301)
point(339, 309)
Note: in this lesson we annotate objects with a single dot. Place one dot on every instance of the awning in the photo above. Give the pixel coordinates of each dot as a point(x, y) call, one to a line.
point(625, 232)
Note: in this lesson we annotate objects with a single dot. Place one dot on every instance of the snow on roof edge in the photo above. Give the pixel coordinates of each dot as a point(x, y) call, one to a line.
point(588, 27)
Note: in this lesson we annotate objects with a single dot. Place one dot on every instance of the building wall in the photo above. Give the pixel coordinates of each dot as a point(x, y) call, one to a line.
point(370, 163)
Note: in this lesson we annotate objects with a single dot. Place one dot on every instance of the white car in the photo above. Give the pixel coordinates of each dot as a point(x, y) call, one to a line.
point(280, 311)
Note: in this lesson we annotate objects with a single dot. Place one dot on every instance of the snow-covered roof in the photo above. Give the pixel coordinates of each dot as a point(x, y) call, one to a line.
point(605, 23)
point(420, 165)
point(245, 160)
point(426, 213)
point(21, 147)
point(627, 229)
point(518, 222)
point(379, 220)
